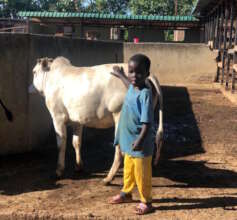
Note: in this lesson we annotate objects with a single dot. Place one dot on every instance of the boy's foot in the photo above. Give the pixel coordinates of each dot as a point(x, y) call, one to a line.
point(121, 198)
point(143, 208)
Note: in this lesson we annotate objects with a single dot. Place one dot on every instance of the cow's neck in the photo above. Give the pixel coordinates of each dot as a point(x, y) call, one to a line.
point(44, 81)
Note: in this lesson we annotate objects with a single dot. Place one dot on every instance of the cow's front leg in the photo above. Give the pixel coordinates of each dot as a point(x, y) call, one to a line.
point(61, 133)
point(117, 156)
point(77, 143)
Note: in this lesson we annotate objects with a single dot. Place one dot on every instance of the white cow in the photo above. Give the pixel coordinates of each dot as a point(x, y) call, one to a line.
point(85, 96)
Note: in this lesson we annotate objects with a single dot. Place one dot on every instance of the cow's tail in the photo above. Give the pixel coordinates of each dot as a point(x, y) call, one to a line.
point(7, 112)
point(160, 131)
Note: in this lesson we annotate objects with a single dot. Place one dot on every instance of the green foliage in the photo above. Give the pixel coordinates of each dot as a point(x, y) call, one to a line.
point(108, 6)
point(151, 7)
point(161, 7)
point(11, 7)
point(169, 35)
point(139, 7)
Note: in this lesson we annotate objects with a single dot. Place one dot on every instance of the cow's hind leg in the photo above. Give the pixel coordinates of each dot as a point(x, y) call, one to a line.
point(61, 133)
point(77, 143)
point(117, 157)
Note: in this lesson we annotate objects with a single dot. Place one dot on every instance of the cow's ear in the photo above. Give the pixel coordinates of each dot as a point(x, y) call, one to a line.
point(45, 64)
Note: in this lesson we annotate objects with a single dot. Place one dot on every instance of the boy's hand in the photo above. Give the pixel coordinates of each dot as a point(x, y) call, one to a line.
point(118, 71)
point(135, 146)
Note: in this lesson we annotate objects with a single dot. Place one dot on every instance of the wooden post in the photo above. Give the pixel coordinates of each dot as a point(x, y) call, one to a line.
point(225, 37)
point(230, 42)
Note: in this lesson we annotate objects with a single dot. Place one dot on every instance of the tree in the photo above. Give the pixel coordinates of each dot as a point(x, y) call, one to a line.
point(161, 7)
point(151, 7)
point(108, 6)
point(9, 8)
point(139, 7)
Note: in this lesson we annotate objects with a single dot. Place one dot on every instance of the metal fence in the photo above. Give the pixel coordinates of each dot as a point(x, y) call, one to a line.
point(221, 36)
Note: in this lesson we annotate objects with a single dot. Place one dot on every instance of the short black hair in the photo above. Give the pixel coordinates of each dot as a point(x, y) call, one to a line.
point(142, 59)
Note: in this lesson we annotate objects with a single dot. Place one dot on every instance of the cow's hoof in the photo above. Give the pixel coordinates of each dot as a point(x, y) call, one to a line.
point(106, 182)
point(59, 173)
point(79, 167)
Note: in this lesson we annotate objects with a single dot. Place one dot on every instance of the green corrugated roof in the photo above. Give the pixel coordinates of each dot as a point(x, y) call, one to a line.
point(46, 14)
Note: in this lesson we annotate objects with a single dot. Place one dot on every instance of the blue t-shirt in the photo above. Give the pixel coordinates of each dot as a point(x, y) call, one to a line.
point(137, 109)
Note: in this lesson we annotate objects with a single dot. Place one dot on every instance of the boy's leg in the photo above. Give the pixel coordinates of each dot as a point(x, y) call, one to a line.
point(143, 176)
point(128, 175)
point(128, 182)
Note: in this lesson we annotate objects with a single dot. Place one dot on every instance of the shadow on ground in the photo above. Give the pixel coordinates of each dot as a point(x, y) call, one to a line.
point(197, 203)
point(34, 171)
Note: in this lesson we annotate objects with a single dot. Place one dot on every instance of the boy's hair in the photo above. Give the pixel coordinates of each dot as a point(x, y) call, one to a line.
point(142, 59)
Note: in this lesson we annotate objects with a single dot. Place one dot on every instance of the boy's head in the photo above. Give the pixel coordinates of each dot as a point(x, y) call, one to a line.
point(138, 69)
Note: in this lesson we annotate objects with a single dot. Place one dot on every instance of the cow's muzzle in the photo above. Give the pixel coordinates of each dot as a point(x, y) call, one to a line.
point(32, 89)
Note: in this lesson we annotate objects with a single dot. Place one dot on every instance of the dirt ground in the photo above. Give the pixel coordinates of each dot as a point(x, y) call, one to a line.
point(196, 177)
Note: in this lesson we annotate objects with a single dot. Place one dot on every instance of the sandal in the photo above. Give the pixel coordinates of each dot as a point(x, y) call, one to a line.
point(120, 198)
point(143, 209)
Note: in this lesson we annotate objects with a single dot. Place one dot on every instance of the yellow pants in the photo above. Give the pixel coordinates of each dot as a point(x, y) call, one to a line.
point(138, 171)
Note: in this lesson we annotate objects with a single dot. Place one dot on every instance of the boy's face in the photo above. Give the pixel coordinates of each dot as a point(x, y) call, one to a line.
point(137, 74)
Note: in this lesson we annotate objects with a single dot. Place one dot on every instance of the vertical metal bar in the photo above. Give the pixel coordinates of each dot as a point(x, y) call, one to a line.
point(205, 31)
point(209, 28)
point(225, 37)
point(220, 40)
point(217, 27)
point(221, 26)
point(230, 42)
point(213, 27)
point(234, 59)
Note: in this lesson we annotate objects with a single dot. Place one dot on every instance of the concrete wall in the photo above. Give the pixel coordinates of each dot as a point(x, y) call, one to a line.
point(176, 63)
point(32, 127)
point(14, 53)
point(146, 34)
point(192, 36)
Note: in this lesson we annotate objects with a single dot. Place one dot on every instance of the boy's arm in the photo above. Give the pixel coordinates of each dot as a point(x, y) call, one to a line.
point(139, 140)
point(119, 72)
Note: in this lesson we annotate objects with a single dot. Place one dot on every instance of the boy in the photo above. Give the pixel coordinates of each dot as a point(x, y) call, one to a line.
point(135, 133)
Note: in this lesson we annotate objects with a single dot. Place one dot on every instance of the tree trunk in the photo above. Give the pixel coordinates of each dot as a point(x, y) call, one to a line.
point(76, 3)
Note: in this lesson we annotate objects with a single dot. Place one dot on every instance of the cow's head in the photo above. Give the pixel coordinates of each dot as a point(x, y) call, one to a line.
point(40, 74)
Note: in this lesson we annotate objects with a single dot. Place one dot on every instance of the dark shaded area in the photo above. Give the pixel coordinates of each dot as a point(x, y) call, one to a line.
point(198, 203)
point(181, 133)
point(195, 174)
point(8, 113)
point(34, 171)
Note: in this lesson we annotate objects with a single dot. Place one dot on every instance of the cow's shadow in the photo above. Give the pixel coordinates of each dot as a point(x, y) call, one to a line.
point(34, 171)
